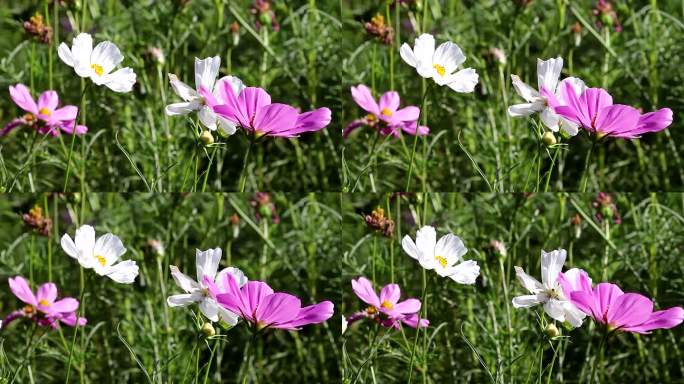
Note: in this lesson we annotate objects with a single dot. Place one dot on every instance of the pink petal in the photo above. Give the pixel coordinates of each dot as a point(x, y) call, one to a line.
point(68, 112)
point(654, 121)
point(362, 96)
point(389, 100)
point(412, 321)
point(617, 120)
point(22, 97)
point(313, 120)
point(48, 100)
point(410, 128)
point(276, 120)
point(12, 125)
point(390, 293)
point(351, 127)
point(664, 319)
point(67, 304)
point(313, 314)
point(628, 310)
point(251, 101)
point(254, 292)
point(364, 290)
point(409, 114)
point(592, 101)
point(407, 306)
point(584, 301)
point(278, 308)
point(47, 292)
point(20, 287)
point(209, 98)
point(605, 295)
point(231, 110)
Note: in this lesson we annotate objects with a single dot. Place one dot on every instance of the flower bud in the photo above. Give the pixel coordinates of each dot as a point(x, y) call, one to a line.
point(549, 139)
point(552, 331)
point(208, 329)
point(207, 138)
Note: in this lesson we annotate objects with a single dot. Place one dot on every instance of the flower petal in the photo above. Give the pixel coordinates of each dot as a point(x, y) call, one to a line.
point(107, 55)
point(206, 71)
point(363, 288)
point(22, 97)
point(363, 97)
point(20, 287)
point(207, 263)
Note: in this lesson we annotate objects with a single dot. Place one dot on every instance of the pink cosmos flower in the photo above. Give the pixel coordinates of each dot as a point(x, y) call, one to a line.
point(385, 116)
point(607, 304)
point(45, 115)
point(43, 306)
point(386, 309)
point(594, 111)
point(252, 110)
point(259, 305)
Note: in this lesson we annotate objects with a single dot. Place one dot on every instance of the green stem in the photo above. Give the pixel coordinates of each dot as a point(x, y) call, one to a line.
point(415, 138)
point(585, 172)
point(73, 136)
point(420, 316)
point(243, 175)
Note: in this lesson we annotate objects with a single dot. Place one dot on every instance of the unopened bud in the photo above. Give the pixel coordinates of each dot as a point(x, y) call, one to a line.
point(208, 329)
point(549, 138)
point(207, 138)
point(552, 331)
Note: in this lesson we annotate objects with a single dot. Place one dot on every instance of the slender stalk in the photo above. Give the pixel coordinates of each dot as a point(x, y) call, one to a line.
point(422, 315)
point(243, 175)
point(585, 172)
point(80, 313)
point(415, 138)
point(84, 90)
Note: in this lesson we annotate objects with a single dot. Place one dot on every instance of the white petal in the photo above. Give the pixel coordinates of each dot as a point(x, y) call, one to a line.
point(410, 247)
point(235, 84)
point(182, 300)
point(124, 272)
point(450, 247)
point(69, 247)
point(85, 241)
point(550, 119)
point(569, 127)
point(518, 110)
point(107, 55)
point(182, 280)
point(548, 73)
point(577, 84)
point(426, 239)
point(572, 314)
point(209, 308)
point(407, 55)
point(183, 90)
point(424, 49)
point(528, 282)
point(466, 272)
point(110, 247)
point(554, 308)
point(226, 126)
point(235, 272)
point(229, 317)
point(463, 81)
point(207, 263)
point(551, 265)
point(207, 117)
point(206, 71)
point(81, 49)
point(177, 109)
point(121, 80)
point(525, 301)
point(449, 56)
point(525, 91)
point(64, 53)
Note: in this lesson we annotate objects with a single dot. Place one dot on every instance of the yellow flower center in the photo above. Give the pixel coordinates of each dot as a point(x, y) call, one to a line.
point(44, 303)
point(97, 68)
point(101, 260)
point(371, 310)
point(386, 112)
point(386, 304)
point(442, 260)
point(44, 111)
point(258, 134)
point(440, 69)
point(28, 310)
point(370, 117)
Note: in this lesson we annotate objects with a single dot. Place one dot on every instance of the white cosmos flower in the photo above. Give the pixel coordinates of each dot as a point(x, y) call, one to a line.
point(206, 72)
point(440, 64)
point(442, 255)
point(97, 64)
point(548, 73)
point(101, 255)
point(549, 292)
point(199, 291)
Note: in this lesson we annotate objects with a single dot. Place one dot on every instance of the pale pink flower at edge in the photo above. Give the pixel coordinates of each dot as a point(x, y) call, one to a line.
point(257, 304)
point(44, 115)
point(385, 115)
point(253, 110)
point(386, 308)
point(43, 306)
